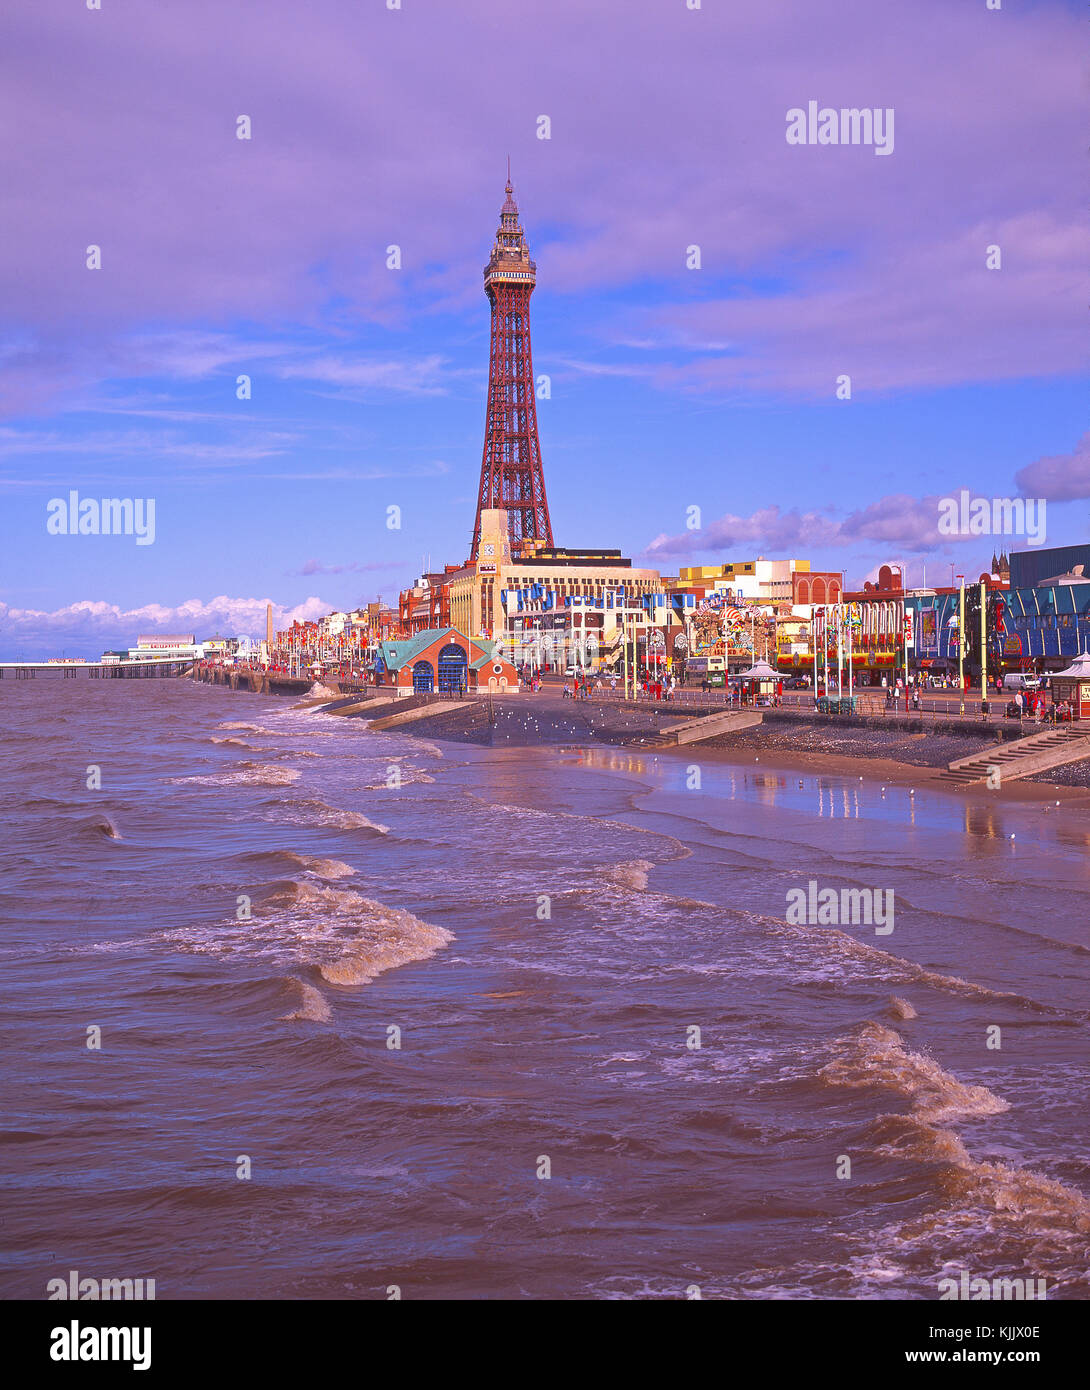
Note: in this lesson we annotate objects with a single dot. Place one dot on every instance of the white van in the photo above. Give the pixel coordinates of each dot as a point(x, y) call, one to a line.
point(1015, 680)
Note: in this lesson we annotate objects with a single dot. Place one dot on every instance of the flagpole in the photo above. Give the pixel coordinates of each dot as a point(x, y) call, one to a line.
point(851, 645)
point(983, 650)
point(961, 644)
point(815, 653)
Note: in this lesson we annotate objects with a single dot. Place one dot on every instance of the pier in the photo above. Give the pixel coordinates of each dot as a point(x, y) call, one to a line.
point(94, 670)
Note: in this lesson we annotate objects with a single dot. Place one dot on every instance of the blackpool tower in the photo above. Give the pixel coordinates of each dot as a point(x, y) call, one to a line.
point(511, 474)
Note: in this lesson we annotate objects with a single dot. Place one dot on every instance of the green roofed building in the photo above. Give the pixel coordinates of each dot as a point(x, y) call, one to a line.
point(443, 660)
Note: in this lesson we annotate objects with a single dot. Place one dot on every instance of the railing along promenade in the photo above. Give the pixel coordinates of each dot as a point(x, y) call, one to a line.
point(933, 707)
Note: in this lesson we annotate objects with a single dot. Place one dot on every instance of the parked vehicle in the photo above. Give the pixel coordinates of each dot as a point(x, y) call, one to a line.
point(1018, 680)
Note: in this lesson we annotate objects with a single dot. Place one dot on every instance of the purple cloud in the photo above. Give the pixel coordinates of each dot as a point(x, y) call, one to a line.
point(355, 567)
point(366, 132)
point(898, 522)
point(1058, 477)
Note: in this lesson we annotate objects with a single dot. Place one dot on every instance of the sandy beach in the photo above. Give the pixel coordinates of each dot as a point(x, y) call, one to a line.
point(788, 741)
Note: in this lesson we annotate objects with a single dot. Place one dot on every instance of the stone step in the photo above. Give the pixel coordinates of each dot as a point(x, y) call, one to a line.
point(1038, 752)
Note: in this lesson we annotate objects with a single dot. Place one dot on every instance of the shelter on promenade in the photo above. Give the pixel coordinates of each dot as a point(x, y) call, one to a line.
point(760, 678)
point(1073, 685)
point(443, 660)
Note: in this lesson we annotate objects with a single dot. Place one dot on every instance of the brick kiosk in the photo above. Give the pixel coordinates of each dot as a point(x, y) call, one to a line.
point(1073, 685)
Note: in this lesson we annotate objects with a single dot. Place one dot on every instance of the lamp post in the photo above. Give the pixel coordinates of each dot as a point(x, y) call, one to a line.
point(983, 651)
point(904, 623)
point(961, 643)
point(851, 646)
point(815, 637)
point(624, 646)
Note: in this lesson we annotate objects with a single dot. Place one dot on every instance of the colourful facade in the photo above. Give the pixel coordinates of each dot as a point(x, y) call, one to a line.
point(444, 661)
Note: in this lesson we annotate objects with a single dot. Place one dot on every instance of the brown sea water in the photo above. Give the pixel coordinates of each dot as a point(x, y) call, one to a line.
point(545, 927)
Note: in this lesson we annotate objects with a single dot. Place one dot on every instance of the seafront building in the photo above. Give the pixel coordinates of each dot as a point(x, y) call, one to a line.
point(534, 604)
point(790, 582)
point(1038, 613)
point(165, 646)
point(444, 660)
point(545, 605)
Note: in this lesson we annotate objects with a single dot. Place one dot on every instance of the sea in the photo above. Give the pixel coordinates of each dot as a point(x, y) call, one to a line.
point(293, 1009)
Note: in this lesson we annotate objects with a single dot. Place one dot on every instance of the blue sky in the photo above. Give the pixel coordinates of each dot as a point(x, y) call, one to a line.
point(670, 387)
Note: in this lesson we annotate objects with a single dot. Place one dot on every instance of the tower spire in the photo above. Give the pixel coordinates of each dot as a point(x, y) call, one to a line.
point(511, 473)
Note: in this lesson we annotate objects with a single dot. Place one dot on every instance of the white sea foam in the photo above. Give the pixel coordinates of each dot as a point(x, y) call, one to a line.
point(246, 775)
point(310, 811)
point(349, 938)
point(632, 874)
point(876, 1056)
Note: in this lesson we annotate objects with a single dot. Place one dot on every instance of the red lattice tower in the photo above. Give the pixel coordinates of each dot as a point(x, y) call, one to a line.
point(511, 473)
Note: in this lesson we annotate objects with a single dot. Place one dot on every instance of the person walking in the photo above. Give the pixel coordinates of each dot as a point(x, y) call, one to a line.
point(1019, 702)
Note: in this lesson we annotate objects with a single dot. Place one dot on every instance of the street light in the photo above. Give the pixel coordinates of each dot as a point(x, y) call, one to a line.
point(961, 644)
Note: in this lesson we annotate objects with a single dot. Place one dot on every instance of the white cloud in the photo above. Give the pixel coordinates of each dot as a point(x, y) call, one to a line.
point(90, 625)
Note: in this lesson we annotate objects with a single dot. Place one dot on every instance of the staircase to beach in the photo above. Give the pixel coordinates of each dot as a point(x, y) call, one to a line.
point(706, 726)
point(1025, 756)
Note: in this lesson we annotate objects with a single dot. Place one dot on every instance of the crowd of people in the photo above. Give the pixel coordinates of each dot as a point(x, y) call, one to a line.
point(585, 687)
point(581, 688)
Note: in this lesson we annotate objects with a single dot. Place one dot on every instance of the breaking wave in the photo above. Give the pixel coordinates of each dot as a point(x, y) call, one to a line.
point(348, 938)
point(100, 824)
point(876, 1056)
point(310, 811)
point(248, 774)
point(632, 874)
point(304, 863)
point(314, 1007)
point(832, 941)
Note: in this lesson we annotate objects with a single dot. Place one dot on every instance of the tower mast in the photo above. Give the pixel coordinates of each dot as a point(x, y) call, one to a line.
point(511, 471)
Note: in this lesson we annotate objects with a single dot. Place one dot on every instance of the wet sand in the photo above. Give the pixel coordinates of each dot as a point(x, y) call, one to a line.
point(1073, 799)
point(903, 757)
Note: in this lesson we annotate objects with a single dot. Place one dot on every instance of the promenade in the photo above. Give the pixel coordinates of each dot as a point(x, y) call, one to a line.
point(934, 705)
